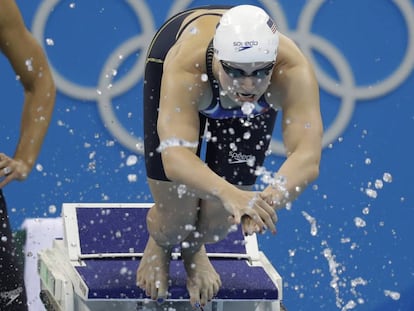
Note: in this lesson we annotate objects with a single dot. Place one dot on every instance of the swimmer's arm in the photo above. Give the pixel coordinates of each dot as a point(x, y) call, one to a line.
point(30, 65)
point(178, 118)
point(302, 133)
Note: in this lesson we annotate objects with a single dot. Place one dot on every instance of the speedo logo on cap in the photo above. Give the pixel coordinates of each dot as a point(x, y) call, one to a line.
point(241, 46)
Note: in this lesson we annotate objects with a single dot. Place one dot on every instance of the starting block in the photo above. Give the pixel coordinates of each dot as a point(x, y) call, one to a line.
point(94, 266)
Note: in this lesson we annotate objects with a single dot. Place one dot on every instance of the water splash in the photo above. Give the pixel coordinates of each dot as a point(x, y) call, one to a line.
point(50, 42)
point(393, 295)
point(372, 193)
point(181, 190)
point(247, 108)
point(204, 77)
point(52, 209)
point(39, 167)
point(334, 270)
point(132, 178)
point(29, 64)
point(350, 305)
point(312, 222)
point(131, 160)
point(176, 142)
point(194, 30)
point(387, 177)
point(359, 222)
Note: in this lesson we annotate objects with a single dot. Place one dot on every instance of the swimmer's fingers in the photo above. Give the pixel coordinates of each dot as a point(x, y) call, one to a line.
point(249, 226)
point(268, 217)
point(268, 206)
point(256, 219)
point(262, 214)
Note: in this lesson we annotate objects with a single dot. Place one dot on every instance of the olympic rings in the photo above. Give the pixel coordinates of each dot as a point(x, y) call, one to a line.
point(346, 89)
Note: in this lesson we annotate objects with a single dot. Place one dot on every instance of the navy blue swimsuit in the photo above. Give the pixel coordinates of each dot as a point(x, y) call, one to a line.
point(229, 153)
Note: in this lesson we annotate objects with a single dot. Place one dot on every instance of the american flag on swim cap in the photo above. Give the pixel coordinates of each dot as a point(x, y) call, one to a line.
point(271, 25)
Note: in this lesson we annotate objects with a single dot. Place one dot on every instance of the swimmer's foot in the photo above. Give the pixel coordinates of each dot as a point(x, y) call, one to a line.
point(203, 282)
point(153, 271)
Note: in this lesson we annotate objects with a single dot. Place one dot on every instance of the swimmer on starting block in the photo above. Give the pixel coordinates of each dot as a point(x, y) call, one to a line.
point(31, 67)
point(221, 74)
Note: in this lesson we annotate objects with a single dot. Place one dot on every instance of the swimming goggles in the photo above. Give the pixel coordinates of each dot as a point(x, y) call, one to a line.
point(240, 73)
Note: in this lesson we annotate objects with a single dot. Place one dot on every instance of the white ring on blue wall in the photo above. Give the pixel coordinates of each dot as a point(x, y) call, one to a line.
point(346, 89)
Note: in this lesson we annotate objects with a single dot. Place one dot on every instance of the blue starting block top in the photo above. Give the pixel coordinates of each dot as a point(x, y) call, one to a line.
point(123, 231)
point(105, 243)
point(116, 279)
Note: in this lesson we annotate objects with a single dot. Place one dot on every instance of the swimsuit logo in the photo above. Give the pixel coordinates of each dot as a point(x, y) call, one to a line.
point(241, 46)
point(238, 157)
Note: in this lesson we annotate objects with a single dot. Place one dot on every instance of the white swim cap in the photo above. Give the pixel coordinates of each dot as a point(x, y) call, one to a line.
point(246, 34)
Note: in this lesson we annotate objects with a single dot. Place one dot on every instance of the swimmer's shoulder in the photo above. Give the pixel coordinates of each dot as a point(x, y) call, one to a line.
point(202, 22)
point(196, 34)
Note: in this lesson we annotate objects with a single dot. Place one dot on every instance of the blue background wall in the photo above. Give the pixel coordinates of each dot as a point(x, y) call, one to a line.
point(361, 255)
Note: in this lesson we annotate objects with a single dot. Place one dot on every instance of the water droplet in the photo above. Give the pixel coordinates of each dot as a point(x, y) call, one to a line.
point(359, 222)
point(185, 244)
point(50, 42)
point(371, 193)
point(387, 177)
point(393, 295)
point(189, 227)
point(247, 108)
point(193, 30)
point(233, 146)
point(350, 305)
point(132, 160)
point(132, 177)
point(378, 184)
point(181, 190)
point(312, 222)
point(29, 64)
point(247, 135)
point(52, 209)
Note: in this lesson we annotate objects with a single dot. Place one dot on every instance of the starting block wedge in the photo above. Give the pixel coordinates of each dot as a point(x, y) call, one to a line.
point(93, 267)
